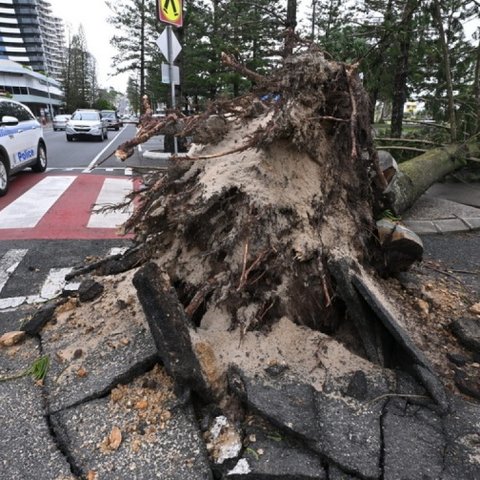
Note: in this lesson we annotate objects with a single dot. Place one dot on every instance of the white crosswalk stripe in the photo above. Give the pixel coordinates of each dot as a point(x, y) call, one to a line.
point(38, 205)
point(127, 171)
point(27, 210)
point(8, 264)
point(112, 191)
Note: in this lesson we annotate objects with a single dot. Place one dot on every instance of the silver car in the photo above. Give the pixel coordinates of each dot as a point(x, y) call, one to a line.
point(60, 122)
point(86, 124)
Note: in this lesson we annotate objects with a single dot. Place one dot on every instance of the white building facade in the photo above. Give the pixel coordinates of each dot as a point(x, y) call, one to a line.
point(42, 94)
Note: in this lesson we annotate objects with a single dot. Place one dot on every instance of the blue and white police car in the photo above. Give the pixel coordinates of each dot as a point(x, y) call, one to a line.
point(21, 142)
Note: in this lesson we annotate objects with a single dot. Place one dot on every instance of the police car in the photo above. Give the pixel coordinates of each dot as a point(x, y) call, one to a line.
point(21, 142)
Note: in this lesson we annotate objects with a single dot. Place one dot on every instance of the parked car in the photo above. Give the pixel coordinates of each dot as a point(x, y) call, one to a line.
point(60, 122)
point(86, 124)
point(21, 142)
point(111, 118)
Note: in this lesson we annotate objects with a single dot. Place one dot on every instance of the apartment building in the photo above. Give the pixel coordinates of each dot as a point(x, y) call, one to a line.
point(32, 46)
point(32, 36)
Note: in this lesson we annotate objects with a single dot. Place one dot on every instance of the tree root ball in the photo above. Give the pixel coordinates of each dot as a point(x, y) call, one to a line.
point(245, 228)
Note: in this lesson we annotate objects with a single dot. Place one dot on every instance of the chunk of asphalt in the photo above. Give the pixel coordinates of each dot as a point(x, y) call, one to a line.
point(175, 452)
point(413, 442)
point(39, 319)
point(348, 436)
point(467, 330)
point(419, 362)
point(467, 384)
point(89, 290)
point(27, 449)
point(170, 329)
point(462, 432)
point(289, 405)
point(105, 360)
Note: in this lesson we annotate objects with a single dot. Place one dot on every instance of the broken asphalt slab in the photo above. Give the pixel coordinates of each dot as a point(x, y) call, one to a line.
point(58, 430)
point(383, 437)
point(27, 448)
point(155, 443)
point(355, 428)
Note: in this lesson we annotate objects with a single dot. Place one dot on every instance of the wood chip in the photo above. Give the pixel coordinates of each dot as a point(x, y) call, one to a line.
point(141, 404)
point(11, 338)
point(115, 438)
point(475, 309)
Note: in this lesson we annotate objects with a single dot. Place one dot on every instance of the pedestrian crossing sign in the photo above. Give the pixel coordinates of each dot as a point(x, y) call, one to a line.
point(170, 11)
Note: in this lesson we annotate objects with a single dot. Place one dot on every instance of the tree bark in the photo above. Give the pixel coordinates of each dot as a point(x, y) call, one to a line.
point(401, 73)
point(290, 25)
point(476, 90)
point(437, 15)
point(415, 176)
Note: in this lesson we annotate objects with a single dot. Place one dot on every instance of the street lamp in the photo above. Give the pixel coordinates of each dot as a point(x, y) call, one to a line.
point(50, 108)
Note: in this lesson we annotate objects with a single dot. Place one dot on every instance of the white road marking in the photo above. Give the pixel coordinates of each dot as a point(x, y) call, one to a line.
point(27, 210)
point(11, 303)
point(114, 191)
point(8, 264)
point(117, 251)
point(52, 287)
point(54, 283)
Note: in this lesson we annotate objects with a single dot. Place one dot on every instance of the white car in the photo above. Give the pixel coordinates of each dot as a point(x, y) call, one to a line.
point(86, 124)
point(21, 142)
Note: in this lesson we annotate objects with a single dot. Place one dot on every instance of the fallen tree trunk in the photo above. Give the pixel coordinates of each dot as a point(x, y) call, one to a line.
point(415, 176)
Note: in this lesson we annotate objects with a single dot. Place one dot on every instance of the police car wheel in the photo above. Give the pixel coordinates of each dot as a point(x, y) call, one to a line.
point(3, 177)
point(41, 163)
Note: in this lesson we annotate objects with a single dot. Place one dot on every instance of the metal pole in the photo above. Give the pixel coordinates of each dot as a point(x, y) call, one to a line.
point(172, 82)
point(50, 109)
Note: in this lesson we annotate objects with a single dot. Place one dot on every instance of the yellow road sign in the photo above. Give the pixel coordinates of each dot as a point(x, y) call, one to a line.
point(170, 11)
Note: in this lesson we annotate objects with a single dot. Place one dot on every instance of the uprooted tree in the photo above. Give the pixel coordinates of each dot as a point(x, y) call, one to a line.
point(272, 215)
point(249, 224)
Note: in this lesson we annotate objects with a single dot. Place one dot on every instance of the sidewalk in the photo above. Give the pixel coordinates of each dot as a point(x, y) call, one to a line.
point(446, 207)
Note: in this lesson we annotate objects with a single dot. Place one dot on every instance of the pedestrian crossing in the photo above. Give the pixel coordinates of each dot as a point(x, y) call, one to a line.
point(64, 206)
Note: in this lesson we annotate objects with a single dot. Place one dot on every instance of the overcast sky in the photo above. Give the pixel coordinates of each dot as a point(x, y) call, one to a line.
point(92, 15)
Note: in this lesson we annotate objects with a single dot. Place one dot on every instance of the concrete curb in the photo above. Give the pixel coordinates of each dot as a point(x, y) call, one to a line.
point(153, 155)
point(444, 225)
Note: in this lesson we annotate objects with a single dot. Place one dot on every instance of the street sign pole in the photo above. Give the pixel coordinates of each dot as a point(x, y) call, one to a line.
point(171, 13)
point(172, 82)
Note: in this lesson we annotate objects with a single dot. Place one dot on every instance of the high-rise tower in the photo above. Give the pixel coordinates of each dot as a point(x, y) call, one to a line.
point(32, 36)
